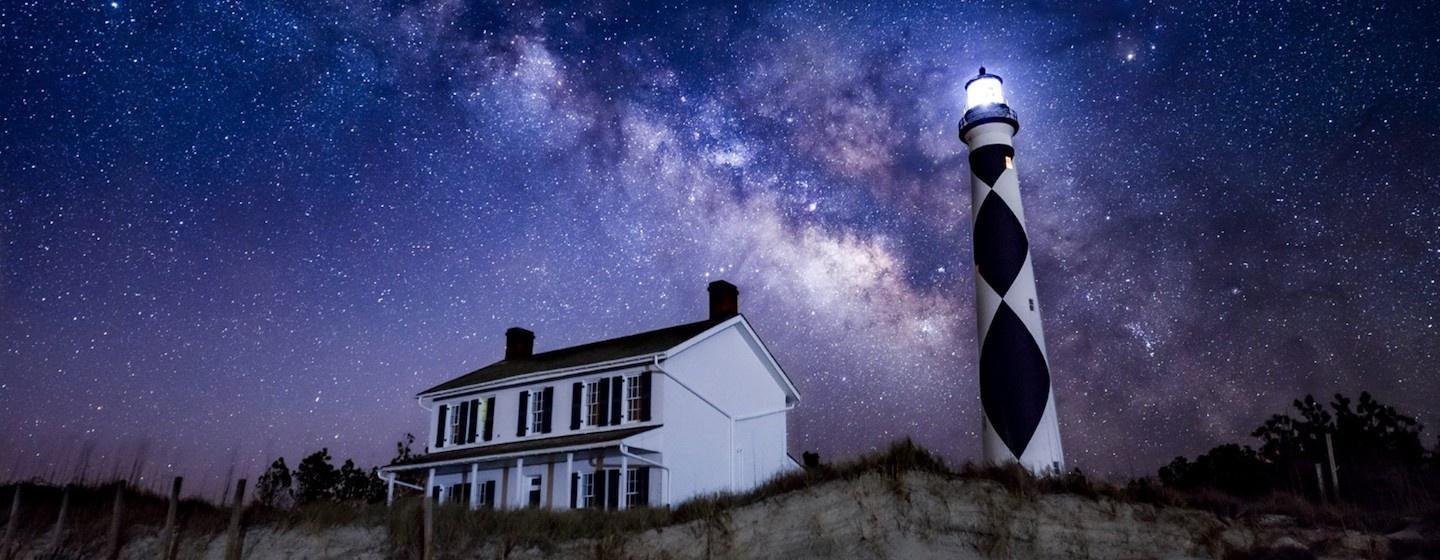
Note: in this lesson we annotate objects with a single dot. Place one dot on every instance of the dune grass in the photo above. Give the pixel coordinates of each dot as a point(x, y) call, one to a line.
point(460, 529)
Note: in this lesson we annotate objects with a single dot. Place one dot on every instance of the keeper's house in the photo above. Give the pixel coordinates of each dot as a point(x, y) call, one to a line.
point(648, 419)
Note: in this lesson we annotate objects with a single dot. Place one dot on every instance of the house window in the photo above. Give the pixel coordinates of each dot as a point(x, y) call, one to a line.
point(632, 487)
point(535, 490)
point(592, 403)
point(454, 425)
point(587, 491)
point(460, 493)
point(537, 412)
point(632, 398)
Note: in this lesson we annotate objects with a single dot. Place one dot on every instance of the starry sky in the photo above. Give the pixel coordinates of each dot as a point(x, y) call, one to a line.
point(234, 230)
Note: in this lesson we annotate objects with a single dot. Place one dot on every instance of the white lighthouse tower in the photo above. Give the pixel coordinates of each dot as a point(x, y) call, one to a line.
point(1019, 420)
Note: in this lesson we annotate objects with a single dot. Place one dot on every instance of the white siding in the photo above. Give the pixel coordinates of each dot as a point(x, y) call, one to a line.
point(703, 452)
point(703, 449)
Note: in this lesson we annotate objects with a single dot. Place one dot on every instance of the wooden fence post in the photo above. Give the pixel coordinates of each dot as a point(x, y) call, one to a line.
point(234, 546)
point(168, 536)
point(57, 535)
point(112, 538)
point(12, 524)
point(1334, 472)
point(428, 537)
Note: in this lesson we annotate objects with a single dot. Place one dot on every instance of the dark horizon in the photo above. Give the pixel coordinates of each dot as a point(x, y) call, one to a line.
point(231, 233)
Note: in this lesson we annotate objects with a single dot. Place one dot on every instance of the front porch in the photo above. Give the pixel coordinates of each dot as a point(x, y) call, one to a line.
point(598, 470)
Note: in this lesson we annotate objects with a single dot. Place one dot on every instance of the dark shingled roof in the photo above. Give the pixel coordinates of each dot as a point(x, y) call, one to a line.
point(630, 346)
point(527, 445)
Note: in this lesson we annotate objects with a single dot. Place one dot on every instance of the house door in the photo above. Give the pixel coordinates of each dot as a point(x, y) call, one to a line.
point(535, 491)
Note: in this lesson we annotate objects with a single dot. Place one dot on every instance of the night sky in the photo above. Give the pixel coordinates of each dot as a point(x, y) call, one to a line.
point(232, 230)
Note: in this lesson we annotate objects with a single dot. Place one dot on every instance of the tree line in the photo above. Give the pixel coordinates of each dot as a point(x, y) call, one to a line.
point(1379, 457)
point(316, 479)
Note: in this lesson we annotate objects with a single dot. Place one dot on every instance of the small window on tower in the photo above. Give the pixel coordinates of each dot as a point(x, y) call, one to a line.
point(1009, 162)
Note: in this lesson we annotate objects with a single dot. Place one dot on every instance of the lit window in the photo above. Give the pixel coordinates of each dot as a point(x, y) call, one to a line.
point(984, 90)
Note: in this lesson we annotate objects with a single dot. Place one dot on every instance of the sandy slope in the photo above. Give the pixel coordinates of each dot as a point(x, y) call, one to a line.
point(917, 516)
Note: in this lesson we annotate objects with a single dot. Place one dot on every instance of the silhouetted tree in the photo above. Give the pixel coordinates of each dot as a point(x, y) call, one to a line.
point(357, 485)
point(402, 448)
point(316, 479)
point(273, 487)
point(1231, 468)
point(1378, 451)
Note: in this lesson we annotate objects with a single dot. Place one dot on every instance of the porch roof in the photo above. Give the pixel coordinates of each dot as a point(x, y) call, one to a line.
point(592, 439)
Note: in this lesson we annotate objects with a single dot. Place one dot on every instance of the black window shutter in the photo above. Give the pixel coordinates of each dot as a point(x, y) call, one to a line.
point(490, 493)
point(435, 493)
point(575, 405)
point(524, 406)
point(642, 479)
point(549, 410)
point(645, 397)
point(613, 498)
point(617, 399)
point(474, 421)
point(489, 418)
point(463, 411)
point(604, 400)
point(440, 427)
point(574, 490)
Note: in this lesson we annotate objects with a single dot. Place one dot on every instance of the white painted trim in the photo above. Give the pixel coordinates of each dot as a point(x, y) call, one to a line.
point(776, 370)
point(730, 436)
point(541, 451)
point(707, 333)
point(763, 414)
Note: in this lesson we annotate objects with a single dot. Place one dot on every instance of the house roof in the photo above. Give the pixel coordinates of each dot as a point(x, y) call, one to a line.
point(526, 445)
point(638, 344)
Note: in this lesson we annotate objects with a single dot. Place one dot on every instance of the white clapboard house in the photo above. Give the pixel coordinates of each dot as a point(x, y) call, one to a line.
point(647, 419)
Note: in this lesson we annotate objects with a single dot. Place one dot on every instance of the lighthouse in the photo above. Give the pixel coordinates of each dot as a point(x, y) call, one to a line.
point(1019, 423)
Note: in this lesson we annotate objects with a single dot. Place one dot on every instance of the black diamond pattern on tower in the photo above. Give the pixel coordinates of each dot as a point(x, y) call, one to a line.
point(988, 162)
point(1014, 380)
point(1000, 243)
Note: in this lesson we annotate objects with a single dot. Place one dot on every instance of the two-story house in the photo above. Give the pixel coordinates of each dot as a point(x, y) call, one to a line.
point(647, 419)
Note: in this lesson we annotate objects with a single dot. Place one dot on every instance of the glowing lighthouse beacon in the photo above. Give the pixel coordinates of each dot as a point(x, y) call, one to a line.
point(1019, 421)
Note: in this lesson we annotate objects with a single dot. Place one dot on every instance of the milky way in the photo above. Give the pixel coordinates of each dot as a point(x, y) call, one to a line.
point(238, 230)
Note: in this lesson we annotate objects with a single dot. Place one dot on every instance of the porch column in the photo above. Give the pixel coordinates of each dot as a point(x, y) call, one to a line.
point(570, 475)
point(430, 486)
point(520, 485)
point(624, 478)
point(390, 490)
point(474, 485)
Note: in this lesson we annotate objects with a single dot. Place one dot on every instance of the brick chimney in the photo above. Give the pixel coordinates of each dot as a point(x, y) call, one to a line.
point(724, 300)
point(519, 343)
